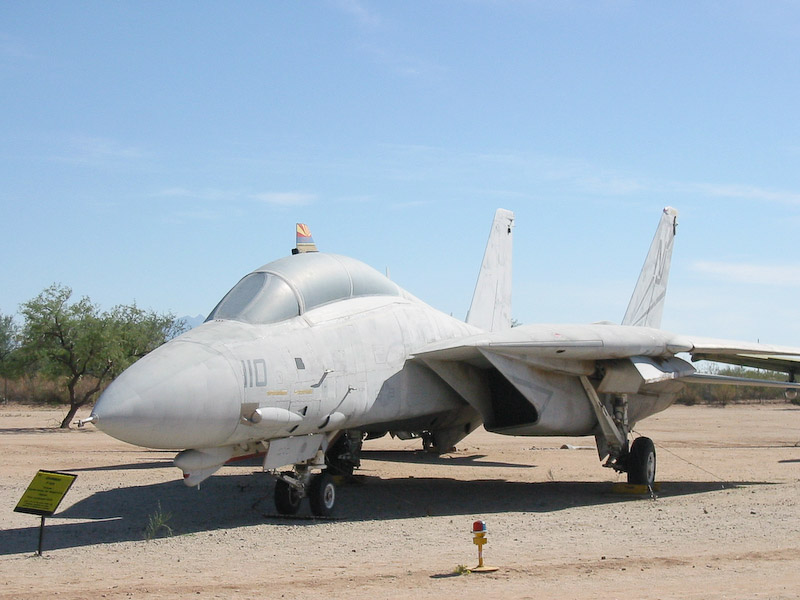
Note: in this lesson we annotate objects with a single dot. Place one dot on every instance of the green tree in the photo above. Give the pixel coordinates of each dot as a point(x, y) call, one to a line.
point(137, 332)
point(9, 341)
point(76, 342)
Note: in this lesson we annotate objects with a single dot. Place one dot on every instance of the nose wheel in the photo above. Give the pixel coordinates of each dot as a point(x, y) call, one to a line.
point(322, 495)
point(287, 498)
point(292, 486)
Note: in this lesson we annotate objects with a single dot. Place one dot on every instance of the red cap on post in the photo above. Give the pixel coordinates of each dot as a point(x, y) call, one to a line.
point(478, 526)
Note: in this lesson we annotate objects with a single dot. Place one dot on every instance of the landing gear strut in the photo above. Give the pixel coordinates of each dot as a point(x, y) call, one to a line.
point(287, 498)
point(637, 460)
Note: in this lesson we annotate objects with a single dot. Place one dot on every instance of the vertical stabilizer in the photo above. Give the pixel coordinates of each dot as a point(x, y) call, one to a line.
point(305, 243)
point(491, 302)
point(647, 303)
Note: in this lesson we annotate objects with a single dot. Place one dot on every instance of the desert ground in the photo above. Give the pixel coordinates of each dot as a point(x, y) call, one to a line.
point(725, 524)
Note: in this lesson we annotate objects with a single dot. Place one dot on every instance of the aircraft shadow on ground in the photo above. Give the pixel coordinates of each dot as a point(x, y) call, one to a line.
point(155, 464)
point(223, 502)
point(429, 458)
point(36, 430)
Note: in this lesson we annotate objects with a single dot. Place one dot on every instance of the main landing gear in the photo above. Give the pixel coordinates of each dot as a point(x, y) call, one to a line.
point(292, 486)
point(638, 459)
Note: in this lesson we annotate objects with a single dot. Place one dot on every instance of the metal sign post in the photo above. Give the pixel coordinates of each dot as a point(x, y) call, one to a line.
point(43, 496)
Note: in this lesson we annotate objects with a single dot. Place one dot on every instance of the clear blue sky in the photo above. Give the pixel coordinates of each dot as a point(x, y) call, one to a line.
point(157, 151)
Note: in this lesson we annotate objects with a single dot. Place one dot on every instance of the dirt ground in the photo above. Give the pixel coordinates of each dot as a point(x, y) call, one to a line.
point(726, 523)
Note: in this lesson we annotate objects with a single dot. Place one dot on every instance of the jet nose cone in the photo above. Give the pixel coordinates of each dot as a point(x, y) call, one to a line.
point(182, 395)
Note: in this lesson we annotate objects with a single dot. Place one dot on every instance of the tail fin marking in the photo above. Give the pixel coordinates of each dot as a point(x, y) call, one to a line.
point(305, 243)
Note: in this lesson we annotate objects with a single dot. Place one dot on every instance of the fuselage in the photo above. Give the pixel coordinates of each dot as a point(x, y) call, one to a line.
point(339, 365)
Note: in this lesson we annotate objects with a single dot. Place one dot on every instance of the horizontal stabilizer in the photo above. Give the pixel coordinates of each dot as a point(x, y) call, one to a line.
point(747, 354)
point(743, 381)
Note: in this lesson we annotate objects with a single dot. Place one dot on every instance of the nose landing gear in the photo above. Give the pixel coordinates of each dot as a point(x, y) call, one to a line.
point(322, 495)
point(292, 486)
point(287, 498)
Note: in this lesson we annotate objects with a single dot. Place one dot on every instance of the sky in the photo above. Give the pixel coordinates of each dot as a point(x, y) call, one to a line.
point(156, 152)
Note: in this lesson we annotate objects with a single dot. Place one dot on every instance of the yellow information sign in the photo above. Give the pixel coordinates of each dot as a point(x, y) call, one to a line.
point(45, 493)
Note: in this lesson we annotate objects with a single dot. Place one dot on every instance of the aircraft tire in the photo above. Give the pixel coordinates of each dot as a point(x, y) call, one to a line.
point(322, 495)
point(641, 462)
point(287, 499)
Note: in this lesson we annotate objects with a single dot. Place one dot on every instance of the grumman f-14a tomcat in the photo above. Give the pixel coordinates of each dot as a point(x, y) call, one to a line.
point(310, 355)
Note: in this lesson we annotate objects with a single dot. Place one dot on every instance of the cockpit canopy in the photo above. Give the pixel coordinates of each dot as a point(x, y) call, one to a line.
point(293, 285)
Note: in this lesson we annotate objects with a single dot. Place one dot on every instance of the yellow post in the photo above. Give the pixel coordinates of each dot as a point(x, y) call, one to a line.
point(479, 539)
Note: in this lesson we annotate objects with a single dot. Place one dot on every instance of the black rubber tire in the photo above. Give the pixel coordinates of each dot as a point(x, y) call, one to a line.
point(287, 499)
point(322, 495)
point(641, 462)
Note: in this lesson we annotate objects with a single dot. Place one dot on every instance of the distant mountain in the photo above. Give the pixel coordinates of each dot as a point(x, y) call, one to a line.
point(192, 322)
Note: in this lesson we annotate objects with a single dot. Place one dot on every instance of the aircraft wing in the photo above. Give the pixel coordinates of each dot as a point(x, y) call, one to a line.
point(600, 342)
point(747, 354)
point(563, 342)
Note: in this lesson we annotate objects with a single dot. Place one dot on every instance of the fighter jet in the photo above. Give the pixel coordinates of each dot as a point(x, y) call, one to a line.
point(312, 354)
